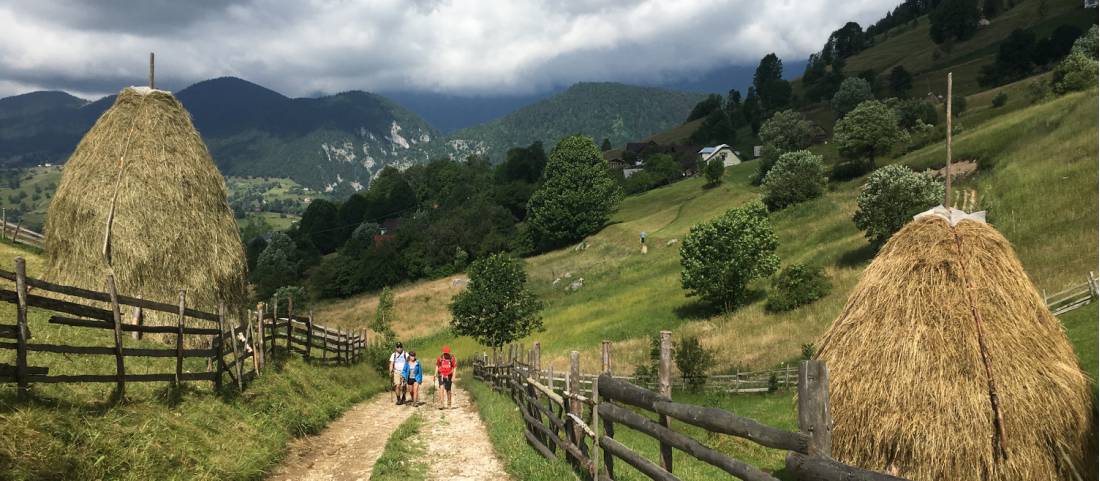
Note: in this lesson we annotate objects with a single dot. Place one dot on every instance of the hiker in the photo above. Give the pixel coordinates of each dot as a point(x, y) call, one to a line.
point(445, 366)
point(414, 377)
point(398, 359)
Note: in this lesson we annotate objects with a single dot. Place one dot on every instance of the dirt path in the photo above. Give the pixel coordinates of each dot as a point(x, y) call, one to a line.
point(348, 448)
point(457, 444)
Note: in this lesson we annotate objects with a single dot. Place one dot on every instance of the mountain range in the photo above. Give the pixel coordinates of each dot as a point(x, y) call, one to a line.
point(337, 143)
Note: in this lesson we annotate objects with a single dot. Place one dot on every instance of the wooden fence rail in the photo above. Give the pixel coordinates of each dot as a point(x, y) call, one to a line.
point(582, 425)
point(237, 351)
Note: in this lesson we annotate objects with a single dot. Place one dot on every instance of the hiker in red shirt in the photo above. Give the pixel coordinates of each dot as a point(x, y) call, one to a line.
point(445, 366)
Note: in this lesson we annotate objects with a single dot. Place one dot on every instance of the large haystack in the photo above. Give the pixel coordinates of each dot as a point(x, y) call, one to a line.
point(940, 313)
point(141, 197)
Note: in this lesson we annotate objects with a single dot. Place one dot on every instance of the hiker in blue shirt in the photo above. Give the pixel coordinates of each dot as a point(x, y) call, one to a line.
point(414, 377)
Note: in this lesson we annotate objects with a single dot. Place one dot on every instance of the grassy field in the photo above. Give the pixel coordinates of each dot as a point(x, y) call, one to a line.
point(74, 431)
point(1037, 179)
point(25, 194)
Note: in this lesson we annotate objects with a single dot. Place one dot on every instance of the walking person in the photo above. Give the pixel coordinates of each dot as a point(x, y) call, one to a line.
point(398, 359)
point(414, 377)
point(445, 366)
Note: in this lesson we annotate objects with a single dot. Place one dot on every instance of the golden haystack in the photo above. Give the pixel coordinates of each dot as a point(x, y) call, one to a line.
point(909, 384)
point(141, 197)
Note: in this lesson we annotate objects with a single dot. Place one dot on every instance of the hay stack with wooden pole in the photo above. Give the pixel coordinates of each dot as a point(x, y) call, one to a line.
point(946, 364)
point(141, 198)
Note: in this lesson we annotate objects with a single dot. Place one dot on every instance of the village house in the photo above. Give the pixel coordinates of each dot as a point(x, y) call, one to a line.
point(724, 152)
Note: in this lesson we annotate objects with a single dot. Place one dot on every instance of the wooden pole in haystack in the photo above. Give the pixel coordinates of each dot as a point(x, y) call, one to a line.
point(947, 168)
point(152, 83)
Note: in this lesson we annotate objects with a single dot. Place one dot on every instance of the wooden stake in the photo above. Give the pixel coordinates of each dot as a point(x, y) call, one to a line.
point(179, 337)
point(152, 83)
point(120, 366)
point(606, 354)
point(664, 385)
point(21, 327)
point(947, 168)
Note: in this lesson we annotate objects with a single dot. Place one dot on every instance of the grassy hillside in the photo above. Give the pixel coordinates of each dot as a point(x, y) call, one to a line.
point(72, 431)
point(1038, 180)
point(25, 194)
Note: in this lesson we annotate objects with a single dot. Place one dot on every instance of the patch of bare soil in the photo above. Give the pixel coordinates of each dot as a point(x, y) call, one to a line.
point(457, 443)
point(348, 448)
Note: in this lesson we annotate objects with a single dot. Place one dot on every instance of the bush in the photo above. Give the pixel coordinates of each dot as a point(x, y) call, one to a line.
point(1000, 100)
point(692, 359)
point(797, 285)
point(714, 171)
point(786, 131)
point(868, 131)
point(890, 199)
point(848, 170)
point(1076, 72)
point(852, 92)
point(719, 258)
point(797, 176)
point(1038, 91)
point(913, 112)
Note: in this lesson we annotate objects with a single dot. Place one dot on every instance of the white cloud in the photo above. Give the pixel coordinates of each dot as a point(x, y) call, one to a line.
point(468, 47)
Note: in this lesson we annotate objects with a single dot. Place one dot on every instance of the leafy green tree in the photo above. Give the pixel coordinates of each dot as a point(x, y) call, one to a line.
point(1076, 72)
point(350, 214)
point(1087, 44)
point(901, 81)
point(786, 131)
point(1015, 59)
point(890, 199)
point(715, 129)
point(714, 171)
point(773, 92)
point(719, 258)
point(296, 293)
point(752, 110)
point(496, 307)
point(526, 164)
point(954, 20)
point(705, 107)
point(383, 315)
point(797, 177)
point(692, 359)
point(389, 196)
point(852, 92)
point(276, 266)
point(321, 225)
point(606, 145)
point(797, 285)
point(577, 197)
point(911, 113)
point(253, 250)
point(846, 41)
point(868, 131)
point(663, 168)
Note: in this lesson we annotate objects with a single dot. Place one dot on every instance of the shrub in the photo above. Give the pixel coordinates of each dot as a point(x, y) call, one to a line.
point(773, 382)
point(786, 131)
point(852, 92)
point(1038, 91)
point(719, 258)
point(692, 359)
point(848, 170)
point(1076, 72)
point(913, 112)
point(868, 131)
point(797, 177)
point(1000, 100)
point(714, 171)
point(890, 199)
point(797, 285)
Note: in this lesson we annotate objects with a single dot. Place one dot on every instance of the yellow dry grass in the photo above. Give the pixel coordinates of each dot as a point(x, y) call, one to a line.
point(939, 316)
point(420, 309)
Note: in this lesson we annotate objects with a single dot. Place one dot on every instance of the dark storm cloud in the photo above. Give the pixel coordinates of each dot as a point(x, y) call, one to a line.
point(467, 47)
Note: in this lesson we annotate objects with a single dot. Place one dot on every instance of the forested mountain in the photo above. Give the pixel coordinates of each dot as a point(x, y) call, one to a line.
point(602, 110)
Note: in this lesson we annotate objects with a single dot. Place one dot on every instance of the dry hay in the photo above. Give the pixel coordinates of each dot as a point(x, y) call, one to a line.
point(909, 387)
point(143, 175)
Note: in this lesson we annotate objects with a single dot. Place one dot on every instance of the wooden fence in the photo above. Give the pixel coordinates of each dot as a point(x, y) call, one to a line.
point(1069, 299)
point(582, 424)
point(228, 349)
point(18, 233)
point(314, 342)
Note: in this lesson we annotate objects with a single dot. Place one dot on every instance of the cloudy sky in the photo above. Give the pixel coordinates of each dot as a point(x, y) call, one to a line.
point(472, 47)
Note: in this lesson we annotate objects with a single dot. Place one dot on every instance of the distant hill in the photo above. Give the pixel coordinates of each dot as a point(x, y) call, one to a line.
point(332, 143)
point(614, 111)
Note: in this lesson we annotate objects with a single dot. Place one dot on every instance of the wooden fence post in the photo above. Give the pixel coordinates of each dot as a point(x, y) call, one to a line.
point(218, 345)
point(236, 351)
point(120, 365)
point(251, 336)
point(574, 405)
point(536, 360)
point(664, 384)
point(595, 457)
point(179, 337)
point(139, 319)
point(309, 336)
point(274, 323)
point(289, 323)
point(262, 342)
point(324, 344)
point(21, 328)
point(813, 407)
point(605, 347)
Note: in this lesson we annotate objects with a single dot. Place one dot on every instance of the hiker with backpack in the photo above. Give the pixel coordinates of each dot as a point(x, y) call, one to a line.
point(445, 366)
point(414, 377)
point(398, 359)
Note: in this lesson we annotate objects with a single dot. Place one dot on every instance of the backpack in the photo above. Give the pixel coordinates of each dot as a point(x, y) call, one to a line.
point(446, 365)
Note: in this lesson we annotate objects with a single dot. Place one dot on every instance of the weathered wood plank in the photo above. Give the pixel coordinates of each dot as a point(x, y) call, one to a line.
point(647, 467)
point(97, 324)
point(165, 377)
point(21, 371)
point(721, 421)
point(817, 468)
point(541, 448)
point(667, 436)
point(813, 407)
point(625, 392)
point(116, 314)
